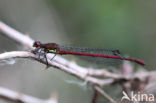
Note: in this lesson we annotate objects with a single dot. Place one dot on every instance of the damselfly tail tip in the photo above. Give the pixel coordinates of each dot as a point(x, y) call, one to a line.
point(136, 61)
point(139, 62)
point(142, 63)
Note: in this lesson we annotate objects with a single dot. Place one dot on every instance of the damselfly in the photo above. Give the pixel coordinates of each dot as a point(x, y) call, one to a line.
point(104, 54)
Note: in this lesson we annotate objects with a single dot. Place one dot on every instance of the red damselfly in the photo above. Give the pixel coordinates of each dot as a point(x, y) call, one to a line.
point(104, 54)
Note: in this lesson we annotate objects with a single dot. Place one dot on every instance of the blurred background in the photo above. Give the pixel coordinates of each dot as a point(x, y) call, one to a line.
point(127, 25)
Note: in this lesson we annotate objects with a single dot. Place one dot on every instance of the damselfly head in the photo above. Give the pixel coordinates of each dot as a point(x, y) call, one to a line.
point(36, 44)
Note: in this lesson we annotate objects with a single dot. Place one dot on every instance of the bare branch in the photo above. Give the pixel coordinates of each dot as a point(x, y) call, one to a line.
point(15, 35)
point(75, 72)
point(82, 75)
point(22, 98)
point(103, 73)
point(95, 96)
point(102, 92)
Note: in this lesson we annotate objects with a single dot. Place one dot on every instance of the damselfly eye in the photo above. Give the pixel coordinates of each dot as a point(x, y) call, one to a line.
point(36, 44)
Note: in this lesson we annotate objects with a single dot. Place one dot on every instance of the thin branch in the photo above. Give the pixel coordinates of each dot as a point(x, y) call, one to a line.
point(102, 92)
point(95, 96)
point(81, 75)
point(75, 72)
point(22, 98)
point(16, 35)
point(103, 73)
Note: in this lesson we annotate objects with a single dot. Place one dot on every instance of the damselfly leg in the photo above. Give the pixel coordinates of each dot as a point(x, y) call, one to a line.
point(52, 57)
point(45, 56)
point(40, 52)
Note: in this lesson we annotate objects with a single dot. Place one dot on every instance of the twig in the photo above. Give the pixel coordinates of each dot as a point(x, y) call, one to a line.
point(95, 96)
point(22, 98)
point(24, 54)
point(102, 92)
point(81, 75)
point(15, 35)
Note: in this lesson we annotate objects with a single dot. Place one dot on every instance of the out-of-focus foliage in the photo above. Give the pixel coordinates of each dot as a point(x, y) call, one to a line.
point(128, 25)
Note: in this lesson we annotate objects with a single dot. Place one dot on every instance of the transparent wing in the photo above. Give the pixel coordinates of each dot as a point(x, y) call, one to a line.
point(99, 60)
